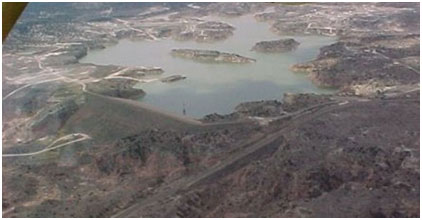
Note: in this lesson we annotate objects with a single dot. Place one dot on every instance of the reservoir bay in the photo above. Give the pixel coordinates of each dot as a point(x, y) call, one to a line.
point(217, 87)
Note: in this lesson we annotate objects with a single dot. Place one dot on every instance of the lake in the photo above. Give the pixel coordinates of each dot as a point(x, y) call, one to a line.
point(217, 88)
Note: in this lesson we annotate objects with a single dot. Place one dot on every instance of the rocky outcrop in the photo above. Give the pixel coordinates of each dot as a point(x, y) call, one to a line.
point(121, 88)
point(215, 117)
point(316, 19)
point(68, 55)
point(265, 108)
point(211, 56)
point(295, 101)
point(276, 46)
point(359, 161)
point(173, 78)
point(355, 60)
point(208, 31)
point(139, 72)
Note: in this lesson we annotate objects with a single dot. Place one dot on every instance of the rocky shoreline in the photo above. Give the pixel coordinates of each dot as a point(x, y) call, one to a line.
point(211, 56)
point(173, 78)
point(276, 46)
point(364, 59)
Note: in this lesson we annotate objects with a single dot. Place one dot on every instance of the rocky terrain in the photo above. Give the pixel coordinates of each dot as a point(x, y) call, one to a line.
point(211, 56)
point(276, 46)
point(332, 156)
point(121, 88)
point(77, 143)
point(257, 109)
point(365, 58)
point(342, 19)
point(208, 31)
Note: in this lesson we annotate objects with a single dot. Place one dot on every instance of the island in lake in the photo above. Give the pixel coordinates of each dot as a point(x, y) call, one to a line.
point(211, 56)
point(276, 46)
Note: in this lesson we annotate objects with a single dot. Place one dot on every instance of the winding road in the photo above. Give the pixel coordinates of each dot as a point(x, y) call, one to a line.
point(51, 146)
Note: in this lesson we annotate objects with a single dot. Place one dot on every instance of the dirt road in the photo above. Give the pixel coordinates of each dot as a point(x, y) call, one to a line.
point(51, 146)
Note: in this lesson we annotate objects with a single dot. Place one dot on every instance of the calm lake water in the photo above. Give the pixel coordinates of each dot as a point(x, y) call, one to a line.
point(211, 87)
